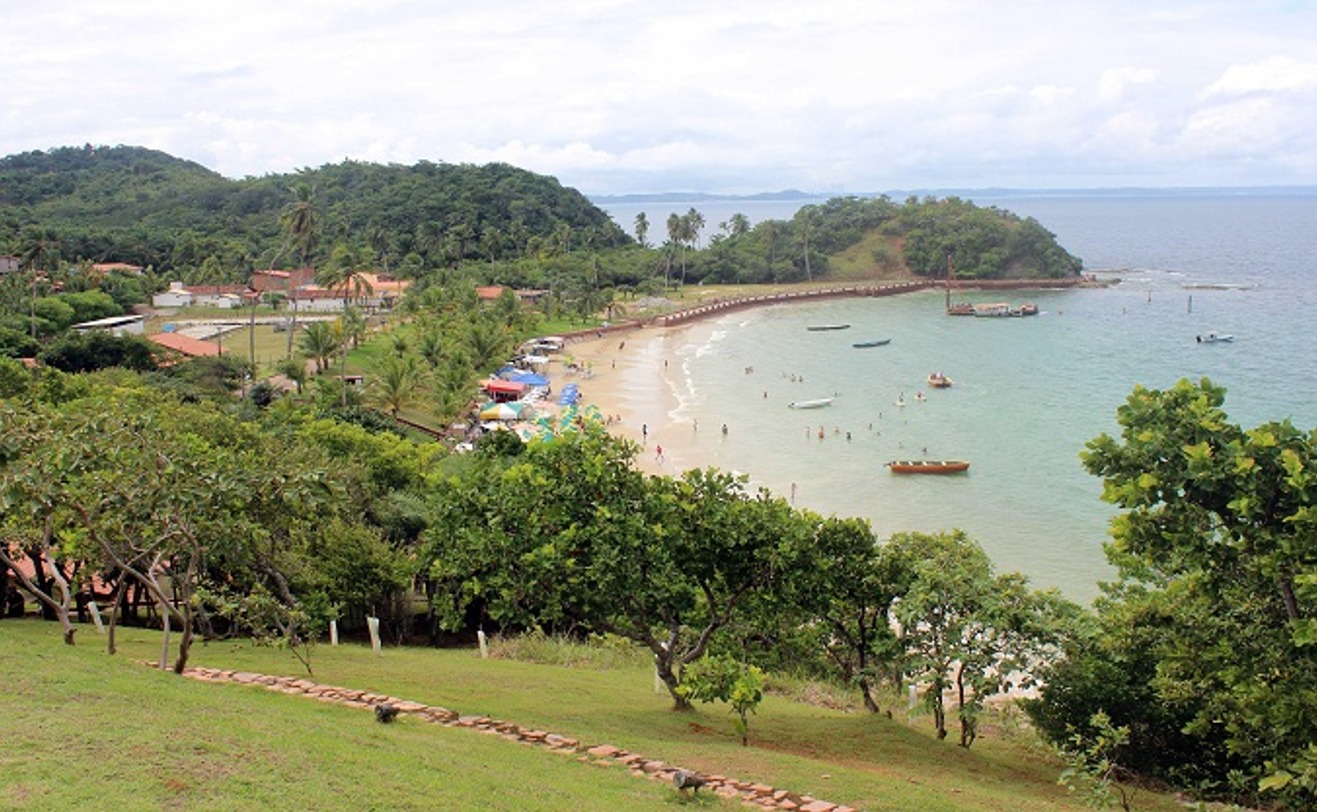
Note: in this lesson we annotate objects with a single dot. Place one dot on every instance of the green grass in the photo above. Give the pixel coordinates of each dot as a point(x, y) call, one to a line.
point(82, 727)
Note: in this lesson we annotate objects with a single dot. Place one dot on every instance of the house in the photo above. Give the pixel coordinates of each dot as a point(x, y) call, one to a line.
point(221, 296)
point(186, 345)
point(8, 264)
point(273, 281)
point(115, 325)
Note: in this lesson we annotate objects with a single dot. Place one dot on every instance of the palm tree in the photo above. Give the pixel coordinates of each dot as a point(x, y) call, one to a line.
point(674, 242)
point(397, 382)
point(38, 251)
point(300, 219)
point(642, 229)
point(740, 225)
point(318, 342)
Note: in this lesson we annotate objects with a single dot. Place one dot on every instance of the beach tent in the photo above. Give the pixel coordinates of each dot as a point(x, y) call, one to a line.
point(505, 411)
point(530, 379)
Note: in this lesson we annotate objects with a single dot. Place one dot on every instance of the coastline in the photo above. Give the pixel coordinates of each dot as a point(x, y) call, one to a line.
point(632, 377)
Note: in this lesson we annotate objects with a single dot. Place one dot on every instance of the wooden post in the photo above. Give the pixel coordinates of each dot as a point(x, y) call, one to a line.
point(484, 644)
point(373, 623)
point(333, 632)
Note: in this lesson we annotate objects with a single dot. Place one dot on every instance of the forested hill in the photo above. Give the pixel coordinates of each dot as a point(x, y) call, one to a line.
point(146, 207)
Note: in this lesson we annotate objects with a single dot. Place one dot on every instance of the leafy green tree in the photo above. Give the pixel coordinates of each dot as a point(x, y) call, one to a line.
point(723, 679)
point(1215, 549)
point(93, 350)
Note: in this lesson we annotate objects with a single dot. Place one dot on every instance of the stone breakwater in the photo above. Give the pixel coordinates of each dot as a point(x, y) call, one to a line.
point(756, 795)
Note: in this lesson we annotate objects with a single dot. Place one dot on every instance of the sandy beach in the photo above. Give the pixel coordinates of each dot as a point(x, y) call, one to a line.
point(632, 377)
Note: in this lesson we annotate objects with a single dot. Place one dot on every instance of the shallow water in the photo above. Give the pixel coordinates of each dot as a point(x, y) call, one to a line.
point(1029, 392)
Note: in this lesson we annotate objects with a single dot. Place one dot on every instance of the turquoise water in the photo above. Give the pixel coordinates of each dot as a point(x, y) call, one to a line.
point(1028, 392)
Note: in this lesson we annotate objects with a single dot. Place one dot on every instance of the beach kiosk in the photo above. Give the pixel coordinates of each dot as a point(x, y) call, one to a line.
point(503, 391)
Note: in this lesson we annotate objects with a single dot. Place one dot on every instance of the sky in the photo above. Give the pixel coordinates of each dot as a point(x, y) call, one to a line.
point(636, 96)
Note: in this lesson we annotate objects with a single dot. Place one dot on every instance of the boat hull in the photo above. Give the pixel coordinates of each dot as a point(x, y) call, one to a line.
point(879, 343)
point(819, 327)
point(928, 466)
point(810, 404)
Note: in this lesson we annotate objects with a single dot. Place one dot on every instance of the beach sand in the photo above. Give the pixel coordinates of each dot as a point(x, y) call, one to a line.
point(633, 376)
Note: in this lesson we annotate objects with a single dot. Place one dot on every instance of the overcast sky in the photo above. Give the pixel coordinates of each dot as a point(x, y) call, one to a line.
point(735, 96)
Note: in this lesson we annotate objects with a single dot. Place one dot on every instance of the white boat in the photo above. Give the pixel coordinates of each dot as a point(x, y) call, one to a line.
point(1215, 338)
point(810, 404)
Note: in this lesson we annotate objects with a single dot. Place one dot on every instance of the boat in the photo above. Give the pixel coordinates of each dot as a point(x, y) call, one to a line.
point(939, 381)
point(1215, 338)
point(960, 309)
point(1027, 309)
point(816, 403)
point(817, 327)
point(878, 342)
point(928, 466)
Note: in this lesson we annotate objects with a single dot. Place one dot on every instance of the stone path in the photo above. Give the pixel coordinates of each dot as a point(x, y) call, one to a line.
point(760, 796)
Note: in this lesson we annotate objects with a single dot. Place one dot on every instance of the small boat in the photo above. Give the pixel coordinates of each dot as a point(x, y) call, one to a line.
point(816, 403)
point(878, 342)
point(939, 381)
point(817, 327)
point(1029, 309)
point(960, 309)
point(1215, 338)
point(928, 466)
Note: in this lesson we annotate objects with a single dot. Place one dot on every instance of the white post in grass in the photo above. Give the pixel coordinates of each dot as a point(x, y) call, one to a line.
point(373, 623)
point(333, 632)
point(96, 617)
point(484, 644)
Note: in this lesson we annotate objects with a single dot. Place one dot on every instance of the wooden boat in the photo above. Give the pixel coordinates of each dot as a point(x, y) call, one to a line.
point(928, 466)
point(1215, 338)
point(816, 403)
point(817, 327)
point(960, 309)
point(878, 342)
point(938, 381)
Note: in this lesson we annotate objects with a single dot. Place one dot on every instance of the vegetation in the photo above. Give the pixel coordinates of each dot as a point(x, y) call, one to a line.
point(1203, 651)
point(194, 499)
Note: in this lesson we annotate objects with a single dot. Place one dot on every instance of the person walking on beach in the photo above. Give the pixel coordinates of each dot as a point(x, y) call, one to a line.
point(658, 453)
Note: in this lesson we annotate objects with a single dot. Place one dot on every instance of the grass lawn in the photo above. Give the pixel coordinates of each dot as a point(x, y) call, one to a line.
point(86, 728)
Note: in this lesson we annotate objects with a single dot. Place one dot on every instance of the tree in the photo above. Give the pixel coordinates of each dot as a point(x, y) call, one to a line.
point(966, 630)
point(38, 252)
point(397, 382)
point(319, 343)
point(723, 679)
point(300, 220)
point(1216, 551)
point(642, 229)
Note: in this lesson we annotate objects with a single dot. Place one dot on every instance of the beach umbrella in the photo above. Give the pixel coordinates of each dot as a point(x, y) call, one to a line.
point(530, 379)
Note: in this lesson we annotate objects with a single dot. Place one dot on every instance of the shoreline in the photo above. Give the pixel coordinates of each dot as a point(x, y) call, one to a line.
point(633, 376)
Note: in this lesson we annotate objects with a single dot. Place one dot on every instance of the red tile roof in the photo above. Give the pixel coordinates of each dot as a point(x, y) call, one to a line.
point(194, 347)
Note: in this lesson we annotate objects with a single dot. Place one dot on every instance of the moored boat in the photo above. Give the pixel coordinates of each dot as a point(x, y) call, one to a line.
point(878, 342)
point(816, 403)
point(1215, 338)
point(939, 381)
point(928, 466)
point(818, 327)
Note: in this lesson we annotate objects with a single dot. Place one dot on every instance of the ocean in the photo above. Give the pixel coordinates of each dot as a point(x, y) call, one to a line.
point(1029, 392)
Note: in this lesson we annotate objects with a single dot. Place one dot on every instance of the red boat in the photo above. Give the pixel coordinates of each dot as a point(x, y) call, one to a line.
point(928, 466)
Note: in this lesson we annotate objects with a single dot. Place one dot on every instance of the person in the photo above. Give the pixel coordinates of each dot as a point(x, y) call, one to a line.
point(644, 431)
point(658, 453)
point(724, 429)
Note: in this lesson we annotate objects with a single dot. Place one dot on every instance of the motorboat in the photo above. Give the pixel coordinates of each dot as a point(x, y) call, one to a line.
point(878, 342)
point(939, 381)
point(816, 403)
point(1215, 338)
point(818, 327)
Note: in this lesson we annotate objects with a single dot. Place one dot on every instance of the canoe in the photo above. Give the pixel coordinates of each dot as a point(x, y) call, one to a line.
point(928, 466)
point(878, 342)
point(818, 327)
point(810, 404)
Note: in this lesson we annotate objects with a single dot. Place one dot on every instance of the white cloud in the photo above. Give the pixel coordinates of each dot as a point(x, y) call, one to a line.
point(1276, 74)
point(625, 95)
point(1113, 82)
